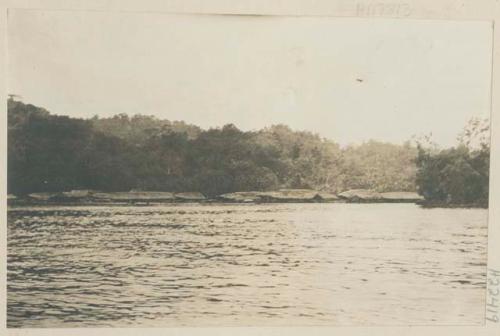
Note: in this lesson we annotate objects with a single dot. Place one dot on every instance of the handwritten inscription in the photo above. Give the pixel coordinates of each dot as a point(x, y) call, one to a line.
point(493, 296)
point(384, 9)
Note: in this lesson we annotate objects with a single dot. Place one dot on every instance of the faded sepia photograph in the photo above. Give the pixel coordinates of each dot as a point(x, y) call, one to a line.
point(189, 170)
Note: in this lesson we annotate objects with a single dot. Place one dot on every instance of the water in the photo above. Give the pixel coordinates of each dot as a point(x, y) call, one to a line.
point(259, 265)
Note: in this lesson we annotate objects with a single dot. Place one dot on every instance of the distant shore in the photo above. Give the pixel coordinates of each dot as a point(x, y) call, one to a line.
point(89, 197)
point(96, 198)
point(434, 204)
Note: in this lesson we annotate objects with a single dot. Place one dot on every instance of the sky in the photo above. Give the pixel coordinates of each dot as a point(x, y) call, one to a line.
point(349, 80)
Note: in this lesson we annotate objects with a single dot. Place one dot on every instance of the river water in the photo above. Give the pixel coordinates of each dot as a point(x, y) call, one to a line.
point(245, 265)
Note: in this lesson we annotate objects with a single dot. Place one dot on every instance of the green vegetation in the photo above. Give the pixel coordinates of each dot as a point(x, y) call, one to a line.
point(458, 175)
point(49, 153)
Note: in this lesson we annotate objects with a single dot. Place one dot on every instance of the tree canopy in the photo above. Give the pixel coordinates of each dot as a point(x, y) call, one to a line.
point(57, 153)
point(458, 175)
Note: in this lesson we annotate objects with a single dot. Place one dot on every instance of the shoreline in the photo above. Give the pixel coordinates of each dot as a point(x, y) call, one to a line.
point(424, 205)
point(282, 196)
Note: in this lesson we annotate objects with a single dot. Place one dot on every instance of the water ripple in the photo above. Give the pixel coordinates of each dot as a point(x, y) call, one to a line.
point(275, 264)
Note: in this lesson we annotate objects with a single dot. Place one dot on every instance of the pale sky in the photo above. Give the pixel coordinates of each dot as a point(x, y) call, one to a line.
point(348, 80)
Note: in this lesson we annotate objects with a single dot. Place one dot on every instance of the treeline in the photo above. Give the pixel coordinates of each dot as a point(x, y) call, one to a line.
point(458, 175)
point(56, 153)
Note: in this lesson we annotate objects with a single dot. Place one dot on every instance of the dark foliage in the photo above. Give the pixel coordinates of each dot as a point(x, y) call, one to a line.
point(458, 175)
point(55, 153)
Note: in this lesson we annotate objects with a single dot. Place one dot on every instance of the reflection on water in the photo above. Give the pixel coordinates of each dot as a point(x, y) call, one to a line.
point(277, 264)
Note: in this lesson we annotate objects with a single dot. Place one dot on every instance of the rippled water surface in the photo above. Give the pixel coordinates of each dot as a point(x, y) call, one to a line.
point(285, 264)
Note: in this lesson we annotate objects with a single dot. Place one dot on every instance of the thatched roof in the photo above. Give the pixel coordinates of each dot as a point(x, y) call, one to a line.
point(43, 196)
point(77, 193)
point(241, 196)
point(326, 196)
point(282, 195)
point(360, 194)
point(190, 196)
point(370, 195)
point(401, 195)
point(292, 194)
point(135, 196)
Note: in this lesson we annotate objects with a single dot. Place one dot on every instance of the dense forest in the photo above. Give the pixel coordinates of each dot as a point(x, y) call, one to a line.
point(457, 175)
point(55, 153)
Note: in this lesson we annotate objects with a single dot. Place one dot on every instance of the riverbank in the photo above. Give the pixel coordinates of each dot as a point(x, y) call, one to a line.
point(434, 204)
point(90, 197)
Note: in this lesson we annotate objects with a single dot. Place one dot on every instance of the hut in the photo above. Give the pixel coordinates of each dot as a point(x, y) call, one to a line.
point(401, 197)
point(43, 196)
point(241, 196)
point(327, 197)
point(134, 196)
point(190, 196)
point(77, 194)
point(74, 196)
point(360, 195)
point(279, 196)
point(291, 195)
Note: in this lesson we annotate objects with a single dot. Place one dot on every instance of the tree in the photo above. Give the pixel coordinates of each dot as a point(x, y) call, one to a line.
point(56, 153)
point(459, 175)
